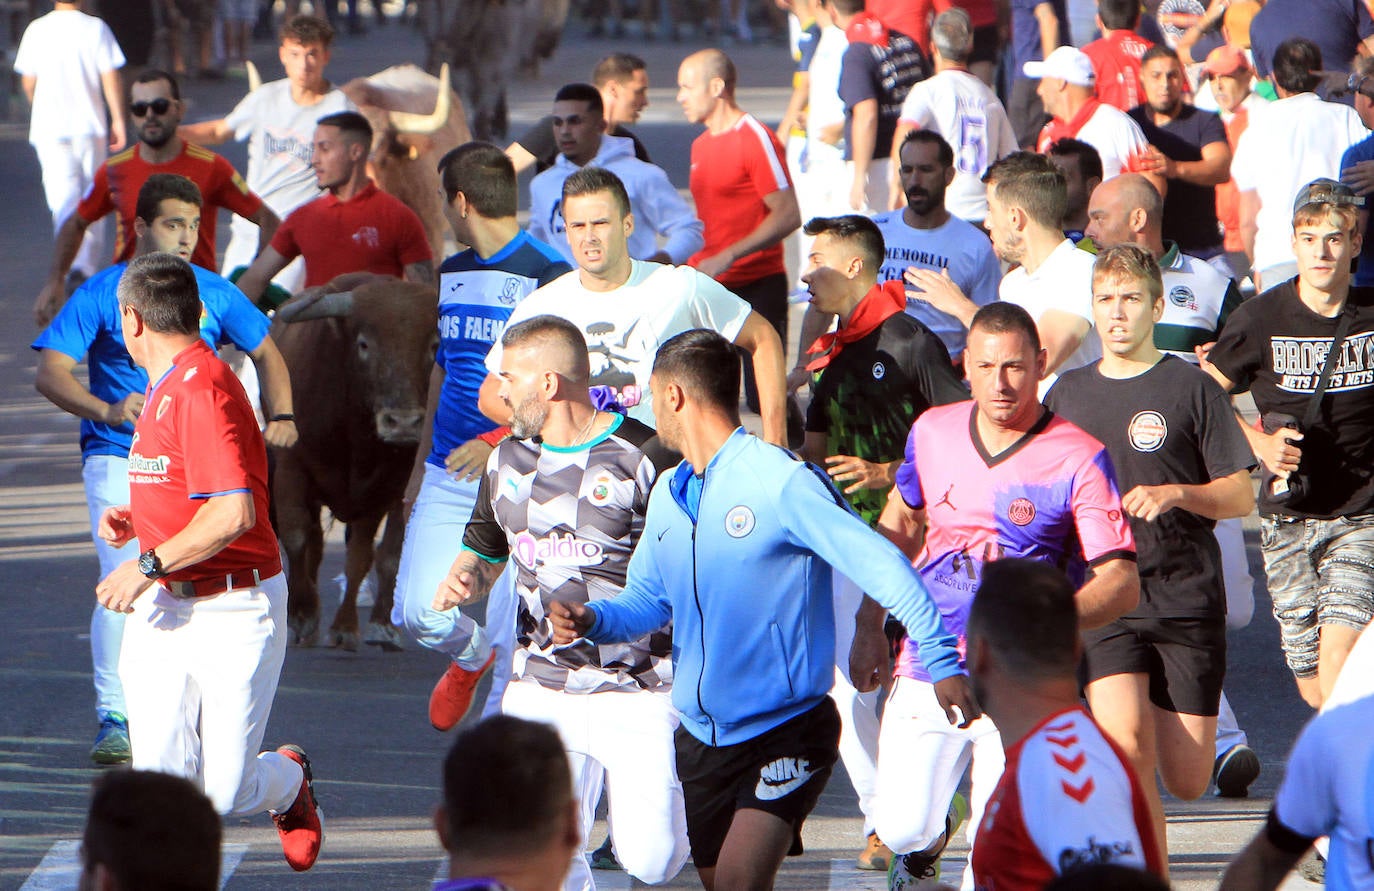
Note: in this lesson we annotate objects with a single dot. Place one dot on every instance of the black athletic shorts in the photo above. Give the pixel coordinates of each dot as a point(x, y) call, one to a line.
point(986, 45)
point(1184, 658)
point(781, 771)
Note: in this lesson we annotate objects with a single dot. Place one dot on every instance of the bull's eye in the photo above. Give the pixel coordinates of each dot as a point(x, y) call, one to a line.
point(364, 348)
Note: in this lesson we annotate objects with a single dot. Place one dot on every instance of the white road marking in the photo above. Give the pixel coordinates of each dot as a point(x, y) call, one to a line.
point(60, 869)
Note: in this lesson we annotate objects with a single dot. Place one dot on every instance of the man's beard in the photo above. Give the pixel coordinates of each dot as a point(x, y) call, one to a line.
point(528, 418)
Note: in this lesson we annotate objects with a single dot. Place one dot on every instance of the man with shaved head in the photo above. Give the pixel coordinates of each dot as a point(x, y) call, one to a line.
point(564, 498)
point(743, 193)
point(1197, 301)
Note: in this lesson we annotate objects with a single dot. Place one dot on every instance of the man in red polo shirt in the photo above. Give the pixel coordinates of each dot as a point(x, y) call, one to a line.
point(205, 635)
point(155, 103)
point(356, 227)
point(743, 194)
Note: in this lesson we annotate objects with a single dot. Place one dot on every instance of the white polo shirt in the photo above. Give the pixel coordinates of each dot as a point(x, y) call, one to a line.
point(1063, 282)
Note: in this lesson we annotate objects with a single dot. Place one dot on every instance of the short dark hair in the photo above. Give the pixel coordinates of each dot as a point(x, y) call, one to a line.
point(152, 831)
point(1159, 51)
point(160, 187)
point(943, 152)
point(307, 30)
point(858, 230)
point(705, 365)
point(1030, 182)
point(352, 125)
point(617, 67)
point(1116, 876)
point(539, 331)
point(153, 75)
point(847, 7)
point(1000, 317)
point(484, 174)
point(493, 764)
point(1118, 15)
point(581, 93)
point(597, 179)
point(162, 287)
point(1295, 62)
point(1089, 161)
point(1024, 610)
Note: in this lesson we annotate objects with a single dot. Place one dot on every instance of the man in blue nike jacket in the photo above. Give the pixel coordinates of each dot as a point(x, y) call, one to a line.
point(737, 551)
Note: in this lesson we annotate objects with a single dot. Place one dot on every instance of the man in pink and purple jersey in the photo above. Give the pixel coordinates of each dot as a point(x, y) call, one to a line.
point(1000, 476)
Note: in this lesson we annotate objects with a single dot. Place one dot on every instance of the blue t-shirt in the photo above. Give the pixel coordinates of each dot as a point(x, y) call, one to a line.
point(476, 297)
point(1337, 27)
point(1364, 270)
point(1025, 32)
point(88, 326)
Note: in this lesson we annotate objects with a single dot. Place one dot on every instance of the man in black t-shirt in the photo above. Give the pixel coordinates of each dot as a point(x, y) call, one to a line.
point(624, 84)
point(876, 374)
point(1154, 676)
point(1317, 498)
point(1189, 149)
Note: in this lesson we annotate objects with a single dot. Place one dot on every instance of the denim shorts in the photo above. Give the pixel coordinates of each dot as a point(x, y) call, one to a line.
point(1320, 572)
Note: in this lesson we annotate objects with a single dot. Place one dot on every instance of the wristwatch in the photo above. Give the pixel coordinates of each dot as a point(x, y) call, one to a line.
point(150, 565)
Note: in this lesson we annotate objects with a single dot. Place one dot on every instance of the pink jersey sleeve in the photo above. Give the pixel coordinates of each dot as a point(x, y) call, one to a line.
point(1103, 529)
point(908, 477)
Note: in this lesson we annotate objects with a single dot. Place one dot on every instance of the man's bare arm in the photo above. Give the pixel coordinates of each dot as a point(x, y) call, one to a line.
point(267, 223)
point(276, 393)
point(1113, 591)
point(421, 273)
point(206, 132)
point(468, 580)
point(54, 292)
point(255, 280)
point(758, 338)
point(57, 381)
point(1061, 333)
point(113, 91)
point(782, 220)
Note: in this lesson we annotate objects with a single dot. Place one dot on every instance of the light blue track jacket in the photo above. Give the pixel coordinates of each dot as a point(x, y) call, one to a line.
point(747, 587)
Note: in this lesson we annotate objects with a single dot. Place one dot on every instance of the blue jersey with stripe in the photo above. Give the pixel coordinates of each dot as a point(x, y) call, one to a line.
point(88, 327)
point(476, 296)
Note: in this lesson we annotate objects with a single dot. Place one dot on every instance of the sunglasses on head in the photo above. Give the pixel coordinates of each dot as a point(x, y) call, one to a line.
point(157, 106)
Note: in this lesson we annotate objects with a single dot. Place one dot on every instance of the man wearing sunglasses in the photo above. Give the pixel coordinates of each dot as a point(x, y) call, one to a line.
point(156, 107)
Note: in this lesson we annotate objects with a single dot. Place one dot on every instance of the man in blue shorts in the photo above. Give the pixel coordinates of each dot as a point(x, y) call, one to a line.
point(168, 220)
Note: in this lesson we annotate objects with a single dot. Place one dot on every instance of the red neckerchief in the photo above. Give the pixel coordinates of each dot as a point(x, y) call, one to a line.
point(1056, 129)
point(865, 28)
point(877, 306)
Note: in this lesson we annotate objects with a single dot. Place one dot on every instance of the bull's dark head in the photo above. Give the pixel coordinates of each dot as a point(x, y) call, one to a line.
point(393, 328)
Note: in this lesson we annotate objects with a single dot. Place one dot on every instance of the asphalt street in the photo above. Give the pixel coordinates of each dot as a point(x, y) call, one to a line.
point(361, 716)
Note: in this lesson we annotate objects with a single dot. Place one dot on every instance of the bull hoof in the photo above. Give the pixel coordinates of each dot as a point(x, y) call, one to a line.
point(346, 640)
point(305, 632)
point(384, 635)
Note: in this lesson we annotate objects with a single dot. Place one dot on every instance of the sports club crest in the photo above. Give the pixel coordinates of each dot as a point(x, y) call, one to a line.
point(162, 407)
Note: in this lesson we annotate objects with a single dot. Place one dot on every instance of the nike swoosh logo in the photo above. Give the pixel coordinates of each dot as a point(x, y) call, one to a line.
point(772, 790)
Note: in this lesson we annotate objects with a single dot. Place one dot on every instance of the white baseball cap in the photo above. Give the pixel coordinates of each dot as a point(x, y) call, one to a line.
point(1067, 64)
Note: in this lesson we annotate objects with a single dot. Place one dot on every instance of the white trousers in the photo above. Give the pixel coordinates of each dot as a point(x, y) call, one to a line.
point(199, 678)
point(877, 190)
point(243, 250)
point(859, 724)
point(69, 167)
point(625, 739)
point(106, 481)
point(921, 759)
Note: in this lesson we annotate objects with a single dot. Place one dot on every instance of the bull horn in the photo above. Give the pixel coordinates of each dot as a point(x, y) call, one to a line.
point(331, 306)
point(423, 124)
point(254, 79)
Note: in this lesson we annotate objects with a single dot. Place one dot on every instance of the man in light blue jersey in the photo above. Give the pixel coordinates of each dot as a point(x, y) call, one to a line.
point(478, 288)
point(737, 551)
point(167, 219)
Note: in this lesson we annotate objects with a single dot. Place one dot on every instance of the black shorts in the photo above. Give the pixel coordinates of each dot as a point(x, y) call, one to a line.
point(781, 771)
point(1184, 658)
point(986, 45)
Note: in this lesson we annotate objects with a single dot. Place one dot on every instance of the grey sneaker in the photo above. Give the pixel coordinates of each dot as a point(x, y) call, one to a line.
point(112, 742)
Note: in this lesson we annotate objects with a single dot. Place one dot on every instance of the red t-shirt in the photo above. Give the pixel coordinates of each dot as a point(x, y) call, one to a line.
point(1228, 196)
point(371, 232)
point(732, 172)
point(1116, 62)
point(198, 439)
point(118, 180)
point(914, 17)
point(1067, 798)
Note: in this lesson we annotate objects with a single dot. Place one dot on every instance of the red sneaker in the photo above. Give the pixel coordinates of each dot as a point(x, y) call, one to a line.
point(301, 826)
point(452, 696)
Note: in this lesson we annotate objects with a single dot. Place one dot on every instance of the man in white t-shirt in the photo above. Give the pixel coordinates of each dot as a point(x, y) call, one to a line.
point(1027, 197)
point(1066, 88)
point(1288, 143)
point(278, 120)
point(626, 308)
point(67, 61)
point(965, 111)
point(927, 240)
